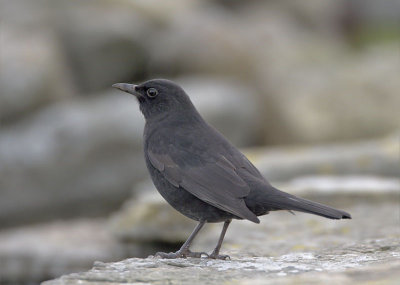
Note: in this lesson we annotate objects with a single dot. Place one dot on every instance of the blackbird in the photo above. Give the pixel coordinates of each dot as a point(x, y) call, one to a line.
point(199, 172)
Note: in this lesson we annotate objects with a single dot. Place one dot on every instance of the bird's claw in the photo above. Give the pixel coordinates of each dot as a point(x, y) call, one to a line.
point(181, 254)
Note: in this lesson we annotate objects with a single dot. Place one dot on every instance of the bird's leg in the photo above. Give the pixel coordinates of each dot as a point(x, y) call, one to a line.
point(215, 254)
point(184, 251)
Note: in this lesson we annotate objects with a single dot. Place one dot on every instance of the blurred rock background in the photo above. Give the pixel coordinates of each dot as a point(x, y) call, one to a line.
point(310, 89)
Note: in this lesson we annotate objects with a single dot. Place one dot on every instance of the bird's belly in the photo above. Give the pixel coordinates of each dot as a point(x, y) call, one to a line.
point(186, 203)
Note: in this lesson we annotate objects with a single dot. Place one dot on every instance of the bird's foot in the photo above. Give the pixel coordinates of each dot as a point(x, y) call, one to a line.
point(215, 255)
point(181, 254)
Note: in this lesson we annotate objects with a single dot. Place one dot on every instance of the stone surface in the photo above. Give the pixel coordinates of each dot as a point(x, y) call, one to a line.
point(224, 103)
point(366, 171)
point(148, 218)
point(345, 264)
point(317, 96)
point(34, 253)
point(42, 75)
point(377, 157)
point(76, 158)
point(139, 220)
point(310, 84)
point(282, 243)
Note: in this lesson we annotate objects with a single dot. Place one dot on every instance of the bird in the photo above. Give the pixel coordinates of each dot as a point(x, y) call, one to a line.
point(199, 172)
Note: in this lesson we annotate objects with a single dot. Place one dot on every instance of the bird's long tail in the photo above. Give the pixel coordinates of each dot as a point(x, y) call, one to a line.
point(285, 201)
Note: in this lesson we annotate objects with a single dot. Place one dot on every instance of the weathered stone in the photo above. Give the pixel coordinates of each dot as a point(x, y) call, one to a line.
point(371, 157)
point(76, 158)
point(246, 270)
point(147, 218)
point(329, 98)
point(282, 243)
point(337, 175)
point(278, 233)
point(104, 41)
point(33, 253)
point(33, 72)
point(224, 103)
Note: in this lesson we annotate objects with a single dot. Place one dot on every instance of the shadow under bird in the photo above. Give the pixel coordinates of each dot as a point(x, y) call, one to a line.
point(199, 172)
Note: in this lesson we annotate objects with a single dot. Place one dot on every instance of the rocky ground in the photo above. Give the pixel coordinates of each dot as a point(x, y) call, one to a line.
point(281, 250)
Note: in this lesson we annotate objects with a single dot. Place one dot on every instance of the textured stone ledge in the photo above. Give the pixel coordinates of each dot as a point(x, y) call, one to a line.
point(345, 263)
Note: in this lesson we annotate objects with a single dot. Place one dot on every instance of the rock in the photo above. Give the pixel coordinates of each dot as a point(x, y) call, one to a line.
point(340, 190)
point(347, 264)
point(336, 175)
point(104, 41)
point(147, 218)
point(101, 41)
point(274, 249)
point(277, 251)
point(33, 73)
point(295, 58)
point(77, 158)
point(224, 103)
point(334, 98)
point(34, 253)
point(372, 13)
point(311, 86)
point(380, 273)
point(370, 157)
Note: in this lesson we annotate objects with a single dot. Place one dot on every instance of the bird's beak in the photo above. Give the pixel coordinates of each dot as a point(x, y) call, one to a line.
point(126, 87)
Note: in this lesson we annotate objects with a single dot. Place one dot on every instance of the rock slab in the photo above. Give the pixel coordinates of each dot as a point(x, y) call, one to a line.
point(345, 264)
point(282, 249)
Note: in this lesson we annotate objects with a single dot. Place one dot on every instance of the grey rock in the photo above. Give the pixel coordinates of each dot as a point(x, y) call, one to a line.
point(147, 218)
point(330, 98)
point(310, 85)
point(370, 157)
point(76, 158)
point(338, 175)
point(105, 41)
point(276, 248)
point(33, 253)
point(33, 73)
point(345, 185)
point(225, 103)
point(371, 13)
point(376, 273)
point(280, 249)
point(240, 270)
point(100, 40)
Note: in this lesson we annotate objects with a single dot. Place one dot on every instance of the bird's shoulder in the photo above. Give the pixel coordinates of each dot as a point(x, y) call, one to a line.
point(197, 146)
point(183, 137)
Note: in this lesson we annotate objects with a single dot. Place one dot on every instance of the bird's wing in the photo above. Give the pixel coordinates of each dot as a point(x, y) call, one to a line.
point(214, 181)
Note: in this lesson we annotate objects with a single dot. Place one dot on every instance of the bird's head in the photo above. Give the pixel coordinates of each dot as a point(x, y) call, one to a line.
point(158, 97)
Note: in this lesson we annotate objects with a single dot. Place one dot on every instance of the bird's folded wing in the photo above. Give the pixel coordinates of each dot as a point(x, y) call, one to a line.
point(214, 182)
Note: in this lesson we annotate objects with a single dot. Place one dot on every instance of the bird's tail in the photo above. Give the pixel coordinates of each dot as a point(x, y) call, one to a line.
point(285, 201)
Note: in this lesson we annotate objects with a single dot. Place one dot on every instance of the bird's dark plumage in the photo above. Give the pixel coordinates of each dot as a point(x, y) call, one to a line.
point(198, 171)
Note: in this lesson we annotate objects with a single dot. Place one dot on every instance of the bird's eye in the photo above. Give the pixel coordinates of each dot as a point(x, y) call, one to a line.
point(152, 92)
